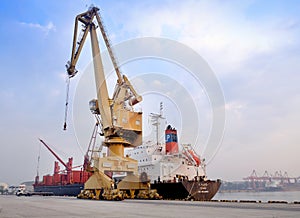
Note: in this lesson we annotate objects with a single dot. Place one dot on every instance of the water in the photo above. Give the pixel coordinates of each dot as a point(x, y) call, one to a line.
point(259, 196)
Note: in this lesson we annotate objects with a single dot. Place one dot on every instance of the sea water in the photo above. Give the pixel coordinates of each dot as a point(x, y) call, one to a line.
point(289, 197)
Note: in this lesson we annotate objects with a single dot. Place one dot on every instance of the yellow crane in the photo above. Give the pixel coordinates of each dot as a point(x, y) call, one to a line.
point(119, 123)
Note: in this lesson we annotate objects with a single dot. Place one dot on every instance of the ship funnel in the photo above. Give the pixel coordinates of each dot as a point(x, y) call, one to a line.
point(171, 140)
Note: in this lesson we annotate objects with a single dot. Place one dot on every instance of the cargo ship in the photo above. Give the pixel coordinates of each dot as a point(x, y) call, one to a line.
point(175, 173)
point(67, 182)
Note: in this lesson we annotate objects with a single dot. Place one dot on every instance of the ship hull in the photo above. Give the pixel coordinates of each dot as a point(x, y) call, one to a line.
point(189, 190)
point(60, 190)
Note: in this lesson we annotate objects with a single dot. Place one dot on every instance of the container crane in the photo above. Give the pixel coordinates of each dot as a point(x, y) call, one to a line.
point(120, 125)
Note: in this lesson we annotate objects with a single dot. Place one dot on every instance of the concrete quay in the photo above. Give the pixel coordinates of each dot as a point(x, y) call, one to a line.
point(52, 206)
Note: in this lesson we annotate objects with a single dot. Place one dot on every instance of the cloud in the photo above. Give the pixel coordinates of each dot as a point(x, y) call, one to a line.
point(44, 28)
point(225, 35)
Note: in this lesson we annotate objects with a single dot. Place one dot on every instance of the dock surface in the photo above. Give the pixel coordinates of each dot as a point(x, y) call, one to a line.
point(52, 206)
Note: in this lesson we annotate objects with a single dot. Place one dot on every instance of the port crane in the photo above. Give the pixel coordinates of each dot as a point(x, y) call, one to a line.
point(120, 125)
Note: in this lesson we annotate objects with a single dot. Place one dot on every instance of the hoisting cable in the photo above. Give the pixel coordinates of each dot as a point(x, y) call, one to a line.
point(67, 102)
point(38, 162)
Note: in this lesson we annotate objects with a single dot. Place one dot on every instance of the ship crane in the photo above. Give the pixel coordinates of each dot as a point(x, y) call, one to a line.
point(120, 125)
point(56, 156)
point(68, 166)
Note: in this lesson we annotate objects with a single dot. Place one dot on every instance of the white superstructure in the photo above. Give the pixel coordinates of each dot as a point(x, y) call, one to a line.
point(166, 161)
point(162, 166)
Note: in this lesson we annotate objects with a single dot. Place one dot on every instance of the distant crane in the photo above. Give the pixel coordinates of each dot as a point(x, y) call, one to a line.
point(257, 181)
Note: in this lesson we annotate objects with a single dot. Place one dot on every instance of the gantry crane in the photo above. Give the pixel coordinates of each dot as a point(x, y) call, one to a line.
point(120, 125)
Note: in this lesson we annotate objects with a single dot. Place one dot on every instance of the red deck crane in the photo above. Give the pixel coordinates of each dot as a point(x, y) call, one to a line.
point(67, 166)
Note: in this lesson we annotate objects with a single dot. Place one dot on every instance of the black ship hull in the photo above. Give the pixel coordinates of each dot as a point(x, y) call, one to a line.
point(60, 190)
point(189, 190)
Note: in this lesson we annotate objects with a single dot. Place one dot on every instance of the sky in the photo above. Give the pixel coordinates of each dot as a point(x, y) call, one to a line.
point(252, 47)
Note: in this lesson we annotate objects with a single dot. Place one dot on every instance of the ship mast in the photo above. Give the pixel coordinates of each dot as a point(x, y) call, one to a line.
point(155, 120)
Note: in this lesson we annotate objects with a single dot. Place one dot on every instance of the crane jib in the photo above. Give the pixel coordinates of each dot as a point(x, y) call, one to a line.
point(117, 114)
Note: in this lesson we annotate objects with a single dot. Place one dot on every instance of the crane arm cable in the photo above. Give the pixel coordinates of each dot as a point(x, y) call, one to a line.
point(67, 102)
point(38, 161)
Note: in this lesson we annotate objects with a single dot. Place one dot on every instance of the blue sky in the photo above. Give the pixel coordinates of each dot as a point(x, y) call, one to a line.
point(252, 46)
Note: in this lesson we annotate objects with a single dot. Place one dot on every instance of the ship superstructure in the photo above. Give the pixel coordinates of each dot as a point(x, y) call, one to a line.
point(165, 162)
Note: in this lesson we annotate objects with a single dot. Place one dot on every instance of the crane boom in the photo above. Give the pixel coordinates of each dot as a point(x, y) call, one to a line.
point(102, 93)
point(55, 155)
point(110, 51)
point(117, 115)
